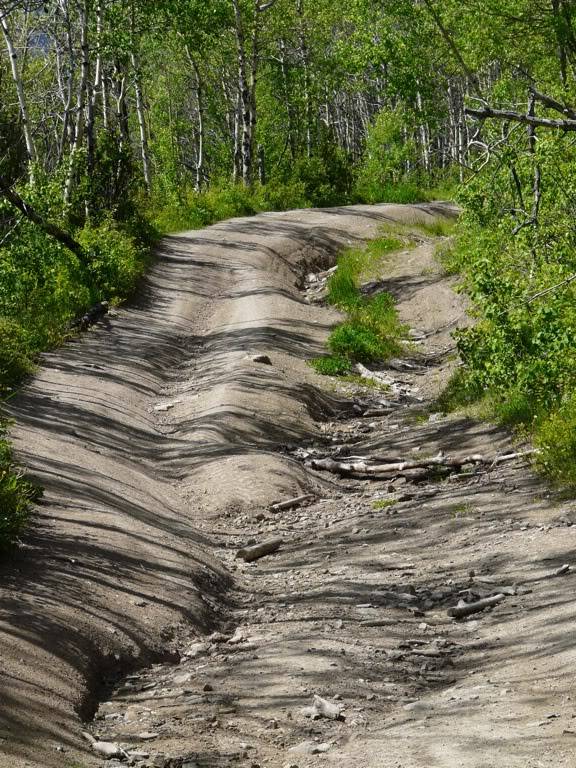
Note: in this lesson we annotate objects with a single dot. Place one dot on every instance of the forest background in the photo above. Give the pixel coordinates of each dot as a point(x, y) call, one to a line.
point(121, 120)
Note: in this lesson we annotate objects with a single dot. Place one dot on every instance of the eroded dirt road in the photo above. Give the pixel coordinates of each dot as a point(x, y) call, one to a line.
point(162, 445)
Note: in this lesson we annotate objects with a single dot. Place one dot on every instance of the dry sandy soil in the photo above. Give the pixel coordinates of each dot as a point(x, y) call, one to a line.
point(162, 444)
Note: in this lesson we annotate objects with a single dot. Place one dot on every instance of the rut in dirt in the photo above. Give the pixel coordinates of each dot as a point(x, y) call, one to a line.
point(142, 432)
point(164, 439)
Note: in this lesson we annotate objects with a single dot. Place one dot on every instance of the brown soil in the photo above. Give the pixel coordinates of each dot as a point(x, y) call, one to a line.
point(161, 445)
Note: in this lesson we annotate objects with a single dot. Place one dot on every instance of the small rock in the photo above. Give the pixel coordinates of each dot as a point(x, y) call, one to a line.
point(108, 749)
point(147, 735)
point(263, 359)
point(207, 687)
point(182, 679)
point(237, 637)
point(309, 748)
point(323, 708)
point(196, 649)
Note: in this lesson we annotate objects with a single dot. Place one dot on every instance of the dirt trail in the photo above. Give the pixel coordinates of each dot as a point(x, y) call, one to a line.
point(161, 444)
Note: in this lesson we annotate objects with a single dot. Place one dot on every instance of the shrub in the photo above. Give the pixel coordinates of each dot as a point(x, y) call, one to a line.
point(556, 439)
point(361, 343)
point(115, 261)
point(15, 353)
point(16, 495)
point(383, 174)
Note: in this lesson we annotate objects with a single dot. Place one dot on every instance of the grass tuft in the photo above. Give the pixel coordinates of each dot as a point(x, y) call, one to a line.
point(331, 365)
point(383, 503)
point(16, 496)
point(372, 330)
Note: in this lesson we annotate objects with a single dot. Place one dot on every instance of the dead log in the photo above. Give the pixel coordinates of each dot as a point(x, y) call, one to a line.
point(255, 552)
point(281, 506)
point(466, 609)
point(379, 466)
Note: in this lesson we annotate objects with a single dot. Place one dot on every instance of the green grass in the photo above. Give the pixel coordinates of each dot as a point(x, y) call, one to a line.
point(371, 331)
point(464, 509)
point(178, 210)
point(16, 496)
point(331, 365)
point(438, 227)
point(355, 265)
point(383, 503)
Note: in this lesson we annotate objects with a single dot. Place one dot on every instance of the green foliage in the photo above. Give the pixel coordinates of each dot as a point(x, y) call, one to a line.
point(16, 495)
point(389, 157)
point(331, 365)
point(556, 439)
point(372, 329)
point(115, 260)
point(327, 177)
point(15, 353)
point(193, 210)
point(383, 503)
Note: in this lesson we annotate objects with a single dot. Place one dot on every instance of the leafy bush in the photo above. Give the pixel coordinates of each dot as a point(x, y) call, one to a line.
point(556, 439)
point(383, 175)
point(15, 353)
point(16, 495)
point(115, 262)
point(520, 355)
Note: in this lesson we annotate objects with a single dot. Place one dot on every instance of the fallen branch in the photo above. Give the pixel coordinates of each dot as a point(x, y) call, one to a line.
point(53, 230)
point(551, 289)
point(519, 117)
point(281, 506)
point(255, 552)
point(381, 466)
point(466, 609)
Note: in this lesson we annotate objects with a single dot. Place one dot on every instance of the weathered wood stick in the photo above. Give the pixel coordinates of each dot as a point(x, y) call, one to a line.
point(366, 467)
point(289, 503)
point(259, 550)
point(466, 609)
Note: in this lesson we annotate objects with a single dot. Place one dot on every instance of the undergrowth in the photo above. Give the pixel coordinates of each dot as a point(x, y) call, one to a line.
point(519, 356)
point(371, 331)
point(16, 495)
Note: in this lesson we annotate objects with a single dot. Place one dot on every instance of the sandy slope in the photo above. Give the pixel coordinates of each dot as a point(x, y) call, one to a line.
point(116, 567)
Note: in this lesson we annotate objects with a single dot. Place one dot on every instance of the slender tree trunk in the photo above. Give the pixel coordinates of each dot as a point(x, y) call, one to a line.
point(245, 96)
point(78, 133)
point(140, 110)
point(16, 76)
point(144, 153)
point(306, 69)
point(292, 143)
point(68, 92)
point(200, 132)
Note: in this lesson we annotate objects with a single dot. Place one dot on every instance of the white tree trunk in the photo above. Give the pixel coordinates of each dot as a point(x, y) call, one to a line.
point(16, 76)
